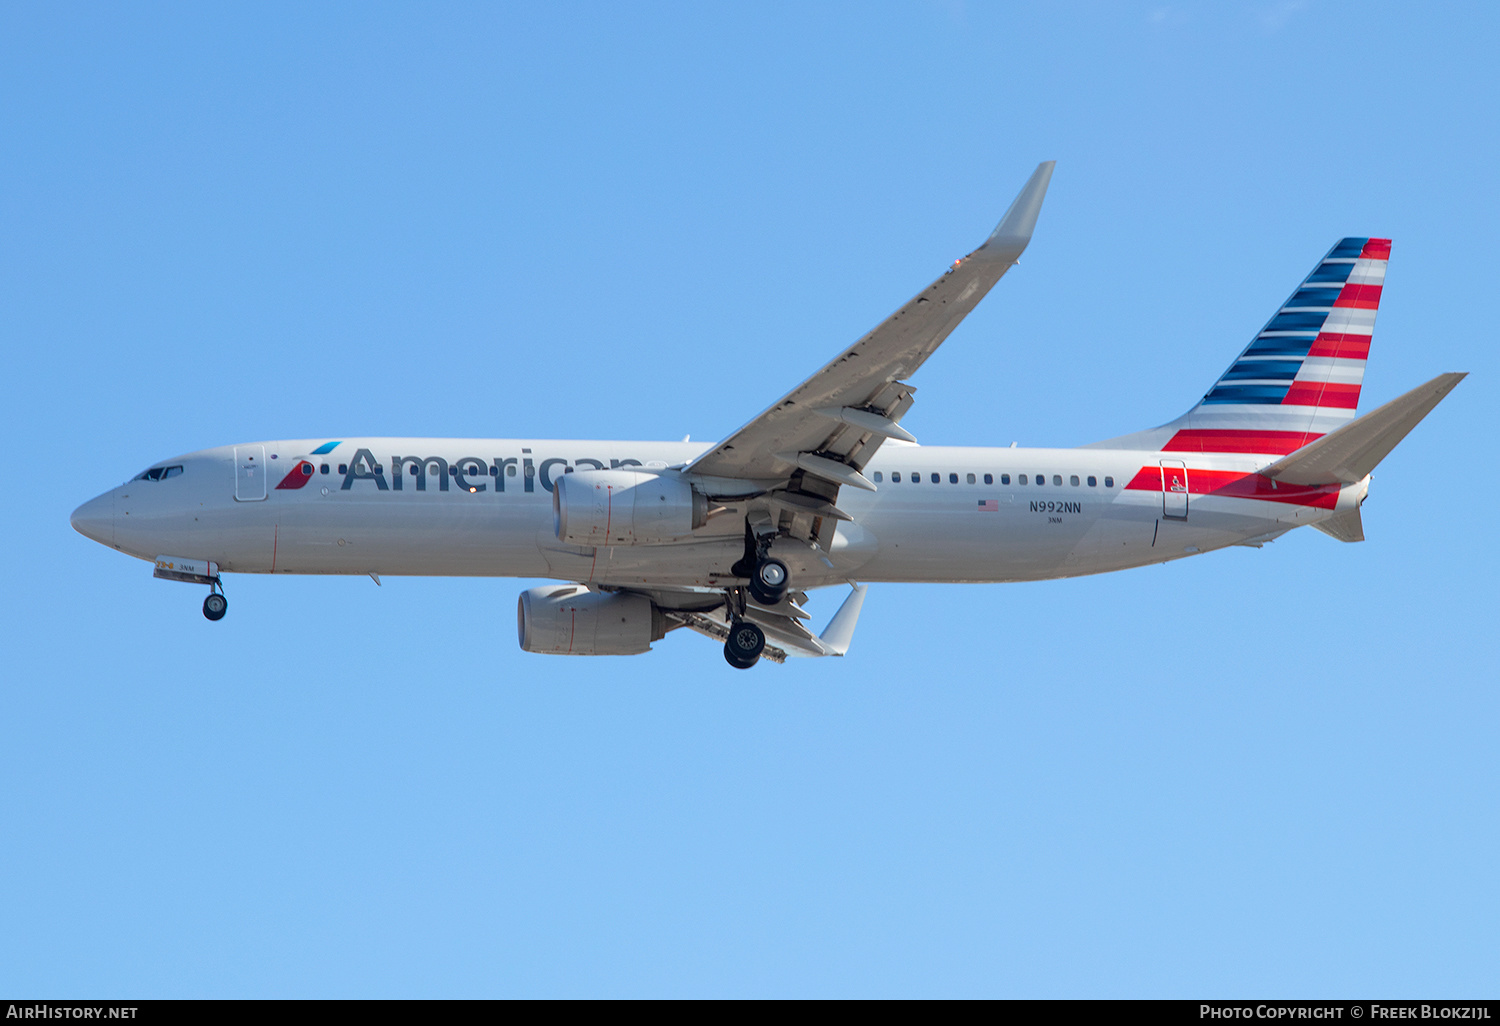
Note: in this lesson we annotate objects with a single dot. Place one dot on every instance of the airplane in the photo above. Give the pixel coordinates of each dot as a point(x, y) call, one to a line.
point(822, 488)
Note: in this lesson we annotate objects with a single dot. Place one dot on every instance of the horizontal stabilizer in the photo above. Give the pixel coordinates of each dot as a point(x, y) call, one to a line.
point(1346, 526)
point(1348, 454)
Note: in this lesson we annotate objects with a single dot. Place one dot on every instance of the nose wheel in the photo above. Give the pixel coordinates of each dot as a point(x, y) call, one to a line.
point(746, 642)
point(216, 605)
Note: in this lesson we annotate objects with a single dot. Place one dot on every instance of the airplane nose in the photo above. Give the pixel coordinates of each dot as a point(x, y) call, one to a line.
point(96, 519)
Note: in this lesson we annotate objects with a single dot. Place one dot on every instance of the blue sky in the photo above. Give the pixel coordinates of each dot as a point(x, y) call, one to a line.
point(1255, 772)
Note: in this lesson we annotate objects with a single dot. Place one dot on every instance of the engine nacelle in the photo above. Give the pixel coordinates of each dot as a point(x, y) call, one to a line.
point(625, 507)
point(571, 620)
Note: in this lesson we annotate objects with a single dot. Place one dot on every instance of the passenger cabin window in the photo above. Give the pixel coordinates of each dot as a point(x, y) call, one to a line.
point(990, 478)
point(916, 477)
point(323, 468)
point(1109, 482)
point(878, 478)
point(937, 478)
point(1073, 480)
point(1021, 479)
point(343, 468)
point(1004, 479)
point(971, 478)
point(953, 478)
point(1093, 481)
point(896, 476)
point(1057, 479)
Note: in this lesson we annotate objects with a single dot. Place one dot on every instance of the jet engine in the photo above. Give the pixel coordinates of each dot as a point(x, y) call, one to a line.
point(571, 620)
point(625, 507)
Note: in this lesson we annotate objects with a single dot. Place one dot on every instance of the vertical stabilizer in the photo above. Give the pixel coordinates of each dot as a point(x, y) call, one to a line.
point(1300, 376)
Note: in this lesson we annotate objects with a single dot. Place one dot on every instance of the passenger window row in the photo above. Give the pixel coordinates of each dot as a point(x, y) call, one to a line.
point(510, 471)
point(915, 477)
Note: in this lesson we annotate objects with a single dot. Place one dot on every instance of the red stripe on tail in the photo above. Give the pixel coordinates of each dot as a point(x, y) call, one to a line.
point(1224, 440)
point(1360, 297)
point(1347, 347)
point(1319, 393)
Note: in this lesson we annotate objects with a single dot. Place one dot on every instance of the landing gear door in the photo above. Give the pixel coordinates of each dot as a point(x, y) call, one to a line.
point(249, 473)
point(1174, 489)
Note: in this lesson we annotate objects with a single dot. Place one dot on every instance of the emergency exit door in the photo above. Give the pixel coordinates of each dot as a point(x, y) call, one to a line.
point(1174, 489)
point(249, 472)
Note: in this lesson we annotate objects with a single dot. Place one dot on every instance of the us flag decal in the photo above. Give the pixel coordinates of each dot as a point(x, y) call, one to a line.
point(989, 506)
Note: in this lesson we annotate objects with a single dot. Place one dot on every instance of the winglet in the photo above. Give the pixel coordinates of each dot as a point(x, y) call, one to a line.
point(1011, 235)
point(840, 630)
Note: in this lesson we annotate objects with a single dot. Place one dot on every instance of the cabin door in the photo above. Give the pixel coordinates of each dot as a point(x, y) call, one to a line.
point(1174, 489)
point(249, 472)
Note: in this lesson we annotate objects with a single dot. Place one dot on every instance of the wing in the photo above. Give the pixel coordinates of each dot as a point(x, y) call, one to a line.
point(703, 610)
point(831, 425)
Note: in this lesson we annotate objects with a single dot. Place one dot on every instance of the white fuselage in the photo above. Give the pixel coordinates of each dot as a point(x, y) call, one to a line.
point(483, 507)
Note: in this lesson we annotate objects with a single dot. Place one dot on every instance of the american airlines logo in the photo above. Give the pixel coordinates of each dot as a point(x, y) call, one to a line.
point(467, 474)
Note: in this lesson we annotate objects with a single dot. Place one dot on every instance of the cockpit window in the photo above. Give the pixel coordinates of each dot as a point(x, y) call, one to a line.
point(159, 473)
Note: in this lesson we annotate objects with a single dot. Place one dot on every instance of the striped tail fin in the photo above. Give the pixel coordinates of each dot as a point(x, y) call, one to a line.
point(1300, 376)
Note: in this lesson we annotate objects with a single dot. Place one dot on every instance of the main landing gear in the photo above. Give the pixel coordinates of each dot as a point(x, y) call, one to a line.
point(769, 581)
point(746, 642)
point(216, 605)
point(769, 577)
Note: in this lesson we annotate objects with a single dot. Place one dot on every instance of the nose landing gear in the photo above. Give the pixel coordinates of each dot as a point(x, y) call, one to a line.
point(216, 605)
point(195, 571)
